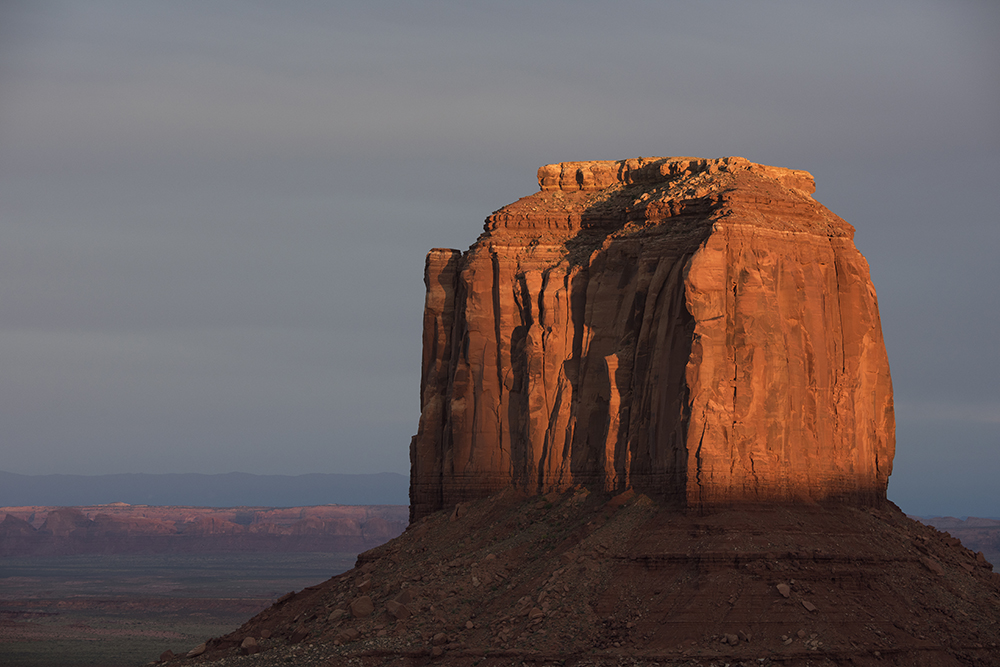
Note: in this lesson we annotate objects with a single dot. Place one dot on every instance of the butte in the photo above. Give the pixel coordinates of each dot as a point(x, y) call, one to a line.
point(701, 331)
point(656, 429)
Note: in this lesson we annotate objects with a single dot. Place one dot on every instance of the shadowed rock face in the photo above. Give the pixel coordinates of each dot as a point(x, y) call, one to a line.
point(702, 331)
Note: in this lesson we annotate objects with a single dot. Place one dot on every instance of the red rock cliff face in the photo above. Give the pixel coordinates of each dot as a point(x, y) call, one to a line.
point(700, 330)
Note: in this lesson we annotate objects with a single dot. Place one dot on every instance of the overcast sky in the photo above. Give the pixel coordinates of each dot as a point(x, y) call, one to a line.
point(214, 215)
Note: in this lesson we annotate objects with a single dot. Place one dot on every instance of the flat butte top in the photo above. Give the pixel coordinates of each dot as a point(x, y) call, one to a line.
point(672, 195)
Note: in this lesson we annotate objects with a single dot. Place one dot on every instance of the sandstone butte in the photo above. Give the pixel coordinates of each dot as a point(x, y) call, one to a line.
point(684, 358)
point(701, 331)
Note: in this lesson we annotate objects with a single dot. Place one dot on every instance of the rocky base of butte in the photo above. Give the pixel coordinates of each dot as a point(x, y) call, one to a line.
point(577, 579)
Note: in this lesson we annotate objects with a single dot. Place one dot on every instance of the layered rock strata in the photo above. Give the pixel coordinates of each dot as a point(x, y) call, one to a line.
point(700, 330)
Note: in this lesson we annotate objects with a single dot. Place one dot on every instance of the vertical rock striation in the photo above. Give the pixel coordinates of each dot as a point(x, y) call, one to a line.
point(702, 331)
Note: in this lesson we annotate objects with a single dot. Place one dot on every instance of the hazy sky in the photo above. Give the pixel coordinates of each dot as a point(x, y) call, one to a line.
point(214, 215)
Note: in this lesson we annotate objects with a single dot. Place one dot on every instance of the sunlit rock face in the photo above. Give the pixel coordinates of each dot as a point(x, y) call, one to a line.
point(702, 331)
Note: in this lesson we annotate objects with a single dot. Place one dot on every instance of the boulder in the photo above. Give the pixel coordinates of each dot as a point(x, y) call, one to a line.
point(197, 650)
point(347, 635)
point(398, 610)
point(932, 565)
point(362, 607)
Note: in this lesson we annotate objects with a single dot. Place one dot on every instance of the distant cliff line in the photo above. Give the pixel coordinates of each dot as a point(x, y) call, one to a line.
point(120, 528)
point(194, 489)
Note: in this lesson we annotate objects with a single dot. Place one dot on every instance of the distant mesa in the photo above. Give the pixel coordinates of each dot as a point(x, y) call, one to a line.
point(701, 331)
point(121, 528)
